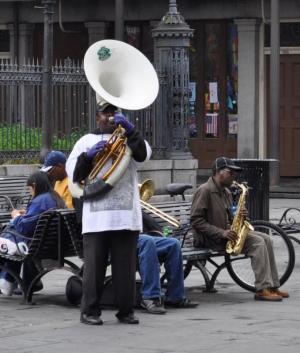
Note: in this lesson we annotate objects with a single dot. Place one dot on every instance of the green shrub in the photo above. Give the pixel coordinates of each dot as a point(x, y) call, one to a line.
point(18, 137)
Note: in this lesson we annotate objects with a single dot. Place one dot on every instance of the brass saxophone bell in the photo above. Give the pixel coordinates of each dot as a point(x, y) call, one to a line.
point(239, 225)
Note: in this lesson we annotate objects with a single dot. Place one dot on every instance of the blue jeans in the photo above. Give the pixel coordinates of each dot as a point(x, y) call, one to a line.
point(149, 250)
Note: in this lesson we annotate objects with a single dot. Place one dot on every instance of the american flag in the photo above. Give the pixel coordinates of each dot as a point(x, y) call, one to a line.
point(211, 123)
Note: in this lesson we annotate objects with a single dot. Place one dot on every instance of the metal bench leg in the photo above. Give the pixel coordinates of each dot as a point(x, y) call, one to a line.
point(205, 276)
point(187, 268)
point(30, 288)
point(42, 272)
point(219, 268)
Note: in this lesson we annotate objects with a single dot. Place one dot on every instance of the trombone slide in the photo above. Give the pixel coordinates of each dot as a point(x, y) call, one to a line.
point(173, 221)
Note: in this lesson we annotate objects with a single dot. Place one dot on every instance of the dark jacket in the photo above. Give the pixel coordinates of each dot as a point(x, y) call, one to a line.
point(150, 226)
point(211, 215)
point(25, 224)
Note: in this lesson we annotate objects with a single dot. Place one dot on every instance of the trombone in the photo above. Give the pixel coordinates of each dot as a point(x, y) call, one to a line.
point(146, 192)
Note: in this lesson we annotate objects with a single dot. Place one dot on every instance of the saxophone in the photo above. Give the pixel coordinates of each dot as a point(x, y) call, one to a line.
point(239, 225)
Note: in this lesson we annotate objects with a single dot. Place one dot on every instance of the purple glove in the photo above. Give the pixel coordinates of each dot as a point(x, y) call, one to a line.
point(120, 119)
point(98, 147)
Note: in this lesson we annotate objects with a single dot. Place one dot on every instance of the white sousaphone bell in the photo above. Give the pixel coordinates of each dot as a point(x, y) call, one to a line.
point(122, 76)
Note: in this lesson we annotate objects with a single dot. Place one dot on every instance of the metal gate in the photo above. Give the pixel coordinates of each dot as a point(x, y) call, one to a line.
point(73, 110)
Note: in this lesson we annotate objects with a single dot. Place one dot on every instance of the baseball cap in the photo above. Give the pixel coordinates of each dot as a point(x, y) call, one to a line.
point(224, 162)
point(52, 159)
point(103, 106)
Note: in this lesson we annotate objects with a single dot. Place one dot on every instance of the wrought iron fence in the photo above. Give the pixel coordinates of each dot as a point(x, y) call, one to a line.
point(152, 121)
point(73, 110)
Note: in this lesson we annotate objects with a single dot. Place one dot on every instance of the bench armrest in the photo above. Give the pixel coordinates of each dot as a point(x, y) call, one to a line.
point(10, 205)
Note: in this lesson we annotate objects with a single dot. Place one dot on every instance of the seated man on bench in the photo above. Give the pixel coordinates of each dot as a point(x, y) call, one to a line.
point(55, 167)
point(211, 220)
point(152, 247)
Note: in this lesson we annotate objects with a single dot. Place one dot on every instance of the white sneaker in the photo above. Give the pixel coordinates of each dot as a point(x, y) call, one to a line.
point(22, 248)
point(7, 287)
point(8, 247)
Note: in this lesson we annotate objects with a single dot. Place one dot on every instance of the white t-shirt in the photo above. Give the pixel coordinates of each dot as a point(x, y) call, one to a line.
point(119, 208)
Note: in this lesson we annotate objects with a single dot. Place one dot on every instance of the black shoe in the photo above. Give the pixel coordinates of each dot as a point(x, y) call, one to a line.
point(90, 319)
point(128, 319)
point(153, 306)
point(182, 304)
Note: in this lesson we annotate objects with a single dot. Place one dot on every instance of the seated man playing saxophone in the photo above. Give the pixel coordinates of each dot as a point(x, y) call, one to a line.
point(211, 219)
point(111, 222)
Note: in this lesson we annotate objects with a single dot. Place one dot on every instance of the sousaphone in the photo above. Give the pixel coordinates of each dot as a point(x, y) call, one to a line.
point(122, 76)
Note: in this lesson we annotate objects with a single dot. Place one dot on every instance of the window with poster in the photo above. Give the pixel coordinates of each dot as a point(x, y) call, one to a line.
point(232, 79)
point(214, 80)
point(213, 49)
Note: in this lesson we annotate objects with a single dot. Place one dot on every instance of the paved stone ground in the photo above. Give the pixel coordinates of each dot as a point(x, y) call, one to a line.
point(226, 321)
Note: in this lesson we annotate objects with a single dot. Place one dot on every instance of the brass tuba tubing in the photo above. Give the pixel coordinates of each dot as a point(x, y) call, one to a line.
point(115, 142)
point(173, 221)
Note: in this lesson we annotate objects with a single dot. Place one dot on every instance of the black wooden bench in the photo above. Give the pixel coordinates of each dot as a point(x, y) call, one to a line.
point(57, 236)
point(192, 257)
point(238, 267)
point(14, 187)
point(13, 194)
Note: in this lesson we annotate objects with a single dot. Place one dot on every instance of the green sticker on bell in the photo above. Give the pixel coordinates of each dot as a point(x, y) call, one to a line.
point(104, 53)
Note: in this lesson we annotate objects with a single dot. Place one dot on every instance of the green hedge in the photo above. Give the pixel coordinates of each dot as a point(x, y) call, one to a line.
point(18, 137)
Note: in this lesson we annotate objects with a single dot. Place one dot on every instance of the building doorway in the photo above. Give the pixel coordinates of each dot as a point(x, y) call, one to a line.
point(213, 91)
point(289, 114)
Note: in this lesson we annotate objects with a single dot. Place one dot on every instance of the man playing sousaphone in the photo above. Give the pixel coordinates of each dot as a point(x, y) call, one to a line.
point(122, 77)
point(212, 219)
point(110, 222)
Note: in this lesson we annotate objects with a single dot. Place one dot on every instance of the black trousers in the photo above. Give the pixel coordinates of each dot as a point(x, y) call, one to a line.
point(121, 246)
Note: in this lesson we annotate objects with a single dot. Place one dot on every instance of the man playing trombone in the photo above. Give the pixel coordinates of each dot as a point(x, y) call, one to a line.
point(153, 248)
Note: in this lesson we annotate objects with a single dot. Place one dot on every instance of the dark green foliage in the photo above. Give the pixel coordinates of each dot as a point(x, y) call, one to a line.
point(18, 137)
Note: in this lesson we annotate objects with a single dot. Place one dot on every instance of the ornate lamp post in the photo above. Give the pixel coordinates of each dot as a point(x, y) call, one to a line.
point(46, 78)
point(275, 92)
point(171, 58)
